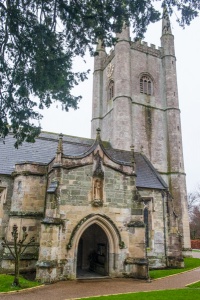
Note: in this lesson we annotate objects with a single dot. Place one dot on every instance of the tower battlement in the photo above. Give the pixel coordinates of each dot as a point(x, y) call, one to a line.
point(141, 46)
point(144, 47)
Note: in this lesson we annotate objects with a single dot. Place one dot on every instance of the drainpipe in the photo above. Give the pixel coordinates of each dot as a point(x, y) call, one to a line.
point(164, 223)
point(45, 199)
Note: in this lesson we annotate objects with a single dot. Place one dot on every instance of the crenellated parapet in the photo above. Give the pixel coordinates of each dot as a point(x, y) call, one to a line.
point(139, 45)
point(143, 46)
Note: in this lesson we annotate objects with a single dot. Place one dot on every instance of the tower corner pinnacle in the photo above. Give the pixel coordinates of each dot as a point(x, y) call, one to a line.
point(124, 34)
point(100, 46)
point(166, 25)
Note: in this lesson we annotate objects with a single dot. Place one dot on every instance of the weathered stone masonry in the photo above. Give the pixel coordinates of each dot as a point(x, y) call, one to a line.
point(104, 206)
point(62, 206)
point(144, 109)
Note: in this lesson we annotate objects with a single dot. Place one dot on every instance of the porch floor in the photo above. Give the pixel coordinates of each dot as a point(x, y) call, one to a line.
point(84, 274)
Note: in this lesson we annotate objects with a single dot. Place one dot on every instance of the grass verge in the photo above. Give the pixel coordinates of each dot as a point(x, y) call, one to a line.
point(190, 263)
point(195, 285)
point(181, 294)
point(7, 280)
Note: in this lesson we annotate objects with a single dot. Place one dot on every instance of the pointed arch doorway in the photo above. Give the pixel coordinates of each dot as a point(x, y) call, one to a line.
point(93, 253)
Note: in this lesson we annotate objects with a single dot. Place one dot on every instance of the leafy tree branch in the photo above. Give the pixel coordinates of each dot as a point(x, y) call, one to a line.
point(39, 39)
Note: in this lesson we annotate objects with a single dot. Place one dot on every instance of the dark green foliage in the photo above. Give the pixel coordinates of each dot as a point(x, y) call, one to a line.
point(38, 40)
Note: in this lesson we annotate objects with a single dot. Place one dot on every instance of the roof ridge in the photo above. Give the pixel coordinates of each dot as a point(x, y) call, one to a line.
point(64, 141)
point(73, 136)
point(121, 150)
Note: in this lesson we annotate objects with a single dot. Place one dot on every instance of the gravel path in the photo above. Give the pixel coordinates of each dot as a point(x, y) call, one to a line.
point(196, 254)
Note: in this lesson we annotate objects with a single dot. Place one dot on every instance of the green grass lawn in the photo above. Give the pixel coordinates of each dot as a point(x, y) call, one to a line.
point(182, 294)
point(194, 285)
point(7, 280)
point(190, 263)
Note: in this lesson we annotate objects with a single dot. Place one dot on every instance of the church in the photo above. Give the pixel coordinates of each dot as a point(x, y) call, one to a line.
point(114, 205)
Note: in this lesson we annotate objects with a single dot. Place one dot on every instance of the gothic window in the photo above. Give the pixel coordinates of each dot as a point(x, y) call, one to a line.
point(3, 191)
point(146, 85)
point(111, 89)
point(146, 222)
point(19, 187)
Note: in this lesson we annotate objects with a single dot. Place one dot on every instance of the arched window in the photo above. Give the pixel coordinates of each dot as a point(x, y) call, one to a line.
point(111, 89)
point(146, 85)
point(3, 191)
point(146, 222)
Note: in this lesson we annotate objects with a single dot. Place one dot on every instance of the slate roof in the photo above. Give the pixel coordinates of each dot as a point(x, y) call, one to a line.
point(44, 150)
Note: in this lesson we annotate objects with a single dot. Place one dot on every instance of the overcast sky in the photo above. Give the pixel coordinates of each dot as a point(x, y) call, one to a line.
point(187, 47)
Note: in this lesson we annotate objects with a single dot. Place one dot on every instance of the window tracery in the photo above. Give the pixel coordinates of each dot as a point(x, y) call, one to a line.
point(146, 85)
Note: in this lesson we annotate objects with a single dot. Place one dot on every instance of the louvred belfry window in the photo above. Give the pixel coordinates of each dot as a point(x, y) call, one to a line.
point(146, 86)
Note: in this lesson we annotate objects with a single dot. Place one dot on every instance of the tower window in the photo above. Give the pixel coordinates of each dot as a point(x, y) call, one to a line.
point(111, 90)
point(146, 86)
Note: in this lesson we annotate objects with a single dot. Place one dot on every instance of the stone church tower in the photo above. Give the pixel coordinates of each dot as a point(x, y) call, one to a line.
point(113, 205)
point(135, 102)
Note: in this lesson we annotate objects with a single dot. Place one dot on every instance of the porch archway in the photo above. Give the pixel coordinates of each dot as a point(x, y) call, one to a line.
point(109, 240)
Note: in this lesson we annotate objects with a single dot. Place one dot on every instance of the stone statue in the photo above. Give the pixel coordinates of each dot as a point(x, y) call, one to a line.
point(97, 192)
point(97, 189)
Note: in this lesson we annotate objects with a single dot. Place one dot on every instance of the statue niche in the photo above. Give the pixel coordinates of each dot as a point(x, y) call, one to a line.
point(97, 192)
point(97, 185)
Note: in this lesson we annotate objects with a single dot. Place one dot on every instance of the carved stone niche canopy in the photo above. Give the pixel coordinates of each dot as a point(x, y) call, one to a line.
point(97, 182)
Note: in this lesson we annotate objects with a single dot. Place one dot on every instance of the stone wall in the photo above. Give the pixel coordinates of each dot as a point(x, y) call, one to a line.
point(195, 244)
point(26, 208)
point(6, 186)
point(69, 211)
point(149, 122)
point(74, 212)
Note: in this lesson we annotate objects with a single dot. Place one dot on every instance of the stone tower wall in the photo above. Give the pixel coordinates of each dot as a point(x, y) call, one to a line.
point(149, 125)
point(150, 122)
point(176, 175)
point(131, 117)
